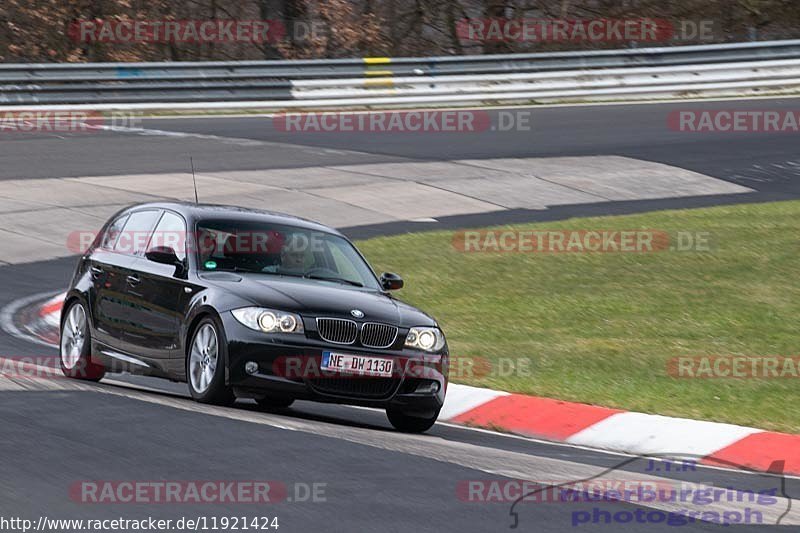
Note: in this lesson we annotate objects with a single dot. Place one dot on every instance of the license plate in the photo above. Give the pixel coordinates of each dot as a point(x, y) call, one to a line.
point(361, 365)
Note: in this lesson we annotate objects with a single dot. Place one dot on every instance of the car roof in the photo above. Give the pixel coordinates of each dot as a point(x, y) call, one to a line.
point(193, 212)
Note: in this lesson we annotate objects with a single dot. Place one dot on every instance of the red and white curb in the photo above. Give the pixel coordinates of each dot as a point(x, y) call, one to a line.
point(34, 318)
point(598, 427)
point(50, 311)
point(621, 431)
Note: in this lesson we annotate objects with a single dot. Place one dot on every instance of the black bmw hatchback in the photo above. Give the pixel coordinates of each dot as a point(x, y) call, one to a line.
point(249, 304)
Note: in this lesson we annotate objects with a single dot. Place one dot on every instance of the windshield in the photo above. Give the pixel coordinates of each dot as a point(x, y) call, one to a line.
point(274, 249)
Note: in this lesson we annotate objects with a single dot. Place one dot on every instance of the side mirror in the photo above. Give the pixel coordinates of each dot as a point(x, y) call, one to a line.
point(163, 254)
point(391, 281)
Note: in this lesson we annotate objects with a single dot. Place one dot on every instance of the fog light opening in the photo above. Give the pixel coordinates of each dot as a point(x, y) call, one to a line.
point(251, 367)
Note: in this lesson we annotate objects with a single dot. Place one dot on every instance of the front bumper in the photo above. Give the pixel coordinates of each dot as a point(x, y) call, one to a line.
point(289, 366)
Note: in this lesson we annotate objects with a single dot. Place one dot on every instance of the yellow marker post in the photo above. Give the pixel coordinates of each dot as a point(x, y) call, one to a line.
point(370, 72)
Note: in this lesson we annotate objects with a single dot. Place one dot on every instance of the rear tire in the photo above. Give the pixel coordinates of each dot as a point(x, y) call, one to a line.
point(410, 424)
point(271, 402)
point(75, 345)
point(205, 364)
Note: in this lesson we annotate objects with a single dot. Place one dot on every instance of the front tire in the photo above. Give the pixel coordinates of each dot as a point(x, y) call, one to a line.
point(75, 345)
point(205, 364)
point(410, 424)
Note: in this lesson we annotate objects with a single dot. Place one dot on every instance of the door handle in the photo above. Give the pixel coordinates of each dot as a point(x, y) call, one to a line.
point(95, 271)
point(133, 280)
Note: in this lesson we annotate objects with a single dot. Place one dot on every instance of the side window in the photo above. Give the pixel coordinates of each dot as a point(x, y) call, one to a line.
point(171, 232)
point(112, 232)
point(136, 234)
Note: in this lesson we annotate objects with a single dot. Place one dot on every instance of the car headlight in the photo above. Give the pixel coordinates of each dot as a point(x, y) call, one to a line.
point(427, 339)
point(269, 320)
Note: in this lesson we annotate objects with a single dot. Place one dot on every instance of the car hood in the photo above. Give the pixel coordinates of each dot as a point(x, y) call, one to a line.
point(320, 298)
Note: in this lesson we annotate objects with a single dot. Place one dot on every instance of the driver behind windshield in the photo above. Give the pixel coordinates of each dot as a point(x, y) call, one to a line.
point(261, 247)
point(293, 256)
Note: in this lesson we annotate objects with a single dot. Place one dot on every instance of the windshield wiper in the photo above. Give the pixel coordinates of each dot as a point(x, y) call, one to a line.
point(338, 280)
point(293, 275)
point(248, 271)
point(238, 270)
point(286, 274)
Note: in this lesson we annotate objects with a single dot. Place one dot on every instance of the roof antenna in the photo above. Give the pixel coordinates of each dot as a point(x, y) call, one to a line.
point(194, 181)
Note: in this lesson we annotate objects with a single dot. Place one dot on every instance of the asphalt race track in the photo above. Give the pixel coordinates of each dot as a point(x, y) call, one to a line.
point(368, 477)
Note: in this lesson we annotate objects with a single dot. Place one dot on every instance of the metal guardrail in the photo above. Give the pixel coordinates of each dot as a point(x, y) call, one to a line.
point(604, 74)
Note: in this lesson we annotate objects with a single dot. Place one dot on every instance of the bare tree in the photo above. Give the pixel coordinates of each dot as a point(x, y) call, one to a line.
point(44, 30)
